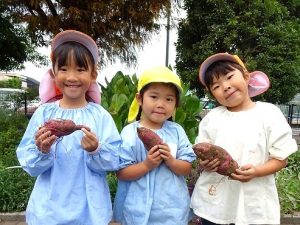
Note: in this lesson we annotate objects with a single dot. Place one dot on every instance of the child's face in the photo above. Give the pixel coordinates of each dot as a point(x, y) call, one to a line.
point(73, 81)
point(158, 104)
point(231, 90)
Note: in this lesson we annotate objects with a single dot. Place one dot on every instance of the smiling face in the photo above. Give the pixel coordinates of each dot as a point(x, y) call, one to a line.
point(158, 103)
point(73, 74)
point(231, 90)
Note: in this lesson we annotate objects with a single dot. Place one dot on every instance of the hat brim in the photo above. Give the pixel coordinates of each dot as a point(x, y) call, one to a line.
point(210, 60)
point(76, 36)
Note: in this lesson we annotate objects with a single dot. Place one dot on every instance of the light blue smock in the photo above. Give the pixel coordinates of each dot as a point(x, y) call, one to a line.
point(160, 197)
point(71, 186)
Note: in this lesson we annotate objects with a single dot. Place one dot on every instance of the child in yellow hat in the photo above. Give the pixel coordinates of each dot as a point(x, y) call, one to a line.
point(152, 189)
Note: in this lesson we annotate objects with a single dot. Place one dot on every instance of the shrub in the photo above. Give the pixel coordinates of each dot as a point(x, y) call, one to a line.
point(288, 183)
point(15, 184)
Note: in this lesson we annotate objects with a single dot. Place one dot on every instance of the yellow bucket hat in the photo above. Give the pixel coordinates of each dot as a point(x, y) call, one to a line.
point(159, 74)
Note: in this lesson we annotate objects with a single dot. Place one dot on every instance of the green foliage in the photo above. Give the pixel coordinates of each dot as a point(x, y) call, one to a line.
point(15, 184)
point(117, 97)
point(113, 184)
point(15, 44)
point(118, 27)
point(14, 82)
point(187, 113)
point(13, 125)
point(288, 183)
point(265, 34)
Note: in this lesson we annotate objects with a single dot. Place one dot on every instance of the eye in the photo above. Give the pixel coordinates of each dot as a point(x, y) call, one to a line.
point(81, 69)
point(153, 96)
point(63, 68)
point(230, 76)
point(170, 99)
point(215, 87)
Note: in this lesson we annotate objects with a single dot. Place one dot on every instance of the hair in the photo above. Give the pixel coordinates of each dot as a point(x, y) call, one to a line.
point(68, 51)
point(220, 68)
point(146, 87)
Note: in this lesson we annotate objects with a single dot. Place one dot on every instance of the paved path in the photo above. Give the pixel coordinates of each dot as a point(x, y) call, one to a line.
point(19, 219)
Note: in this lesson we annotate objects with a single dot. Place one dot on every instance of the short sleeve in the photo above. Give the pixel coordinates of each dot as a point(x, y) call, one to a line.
point(205, 129)
point(127, 152)
point(279, 134)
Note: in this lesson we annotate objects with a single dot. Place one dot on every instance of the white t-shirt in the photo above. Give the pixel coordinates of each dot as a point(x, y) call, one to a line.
point(253, 136)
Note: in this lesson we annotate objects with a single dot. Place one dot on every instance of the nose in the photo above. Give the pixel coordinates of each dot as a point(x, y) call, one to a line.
point(71, 75)
point(160, 103)
point(226, 86)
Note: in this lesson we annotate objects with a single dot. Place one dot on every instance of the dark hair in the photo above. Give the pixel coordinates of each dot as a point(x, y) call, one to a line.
point(83, 58)
point(220, 68)
point(146, 87)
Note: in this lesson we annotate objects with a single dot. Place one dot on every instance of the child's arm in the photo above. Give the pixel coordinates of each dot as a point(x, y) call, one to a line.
point(248, 171)
point(34, 151)
point(136, 171)
point(179, 167)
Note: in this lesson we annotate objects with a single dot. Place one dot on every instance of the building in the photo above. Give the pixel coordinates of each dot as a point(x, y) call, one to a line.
point(27, 82)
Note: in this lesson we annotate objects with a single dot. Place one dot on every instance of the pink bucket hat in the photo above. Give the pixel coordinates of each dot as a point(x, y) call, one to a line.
point(48, 91)
point(258, 83)
point(76, 36)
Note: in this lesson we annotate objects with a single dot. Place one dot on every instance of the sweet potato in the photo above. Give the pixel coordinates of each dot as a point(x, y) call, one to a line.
point(148, 137)
point(209, 151)
point(60, 127)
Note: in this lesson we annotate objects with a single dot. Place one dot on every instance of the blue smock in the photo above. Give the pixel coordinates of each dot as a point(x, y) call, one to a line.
point(160, 197)
point(71, 186)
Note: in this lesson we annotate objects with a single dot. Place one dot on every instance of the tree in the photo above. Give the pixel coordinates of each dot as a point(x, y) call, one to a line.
point(14, 43)
point(265, 34)
point(119, 27)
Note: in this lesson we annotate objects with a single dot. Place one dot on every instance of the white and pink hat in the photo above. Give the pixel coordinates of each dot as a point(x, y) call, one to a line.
point(258, 83)
point(48, 91)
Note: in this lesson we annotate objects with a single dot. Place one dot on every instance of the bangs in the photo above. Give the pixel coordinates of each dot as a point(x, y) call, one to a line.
point(66, 53)
point(220, 68)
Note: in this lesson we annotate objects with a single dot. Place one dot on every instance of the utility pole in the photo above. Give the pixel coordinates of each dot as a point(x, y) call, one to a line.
point(168, 35)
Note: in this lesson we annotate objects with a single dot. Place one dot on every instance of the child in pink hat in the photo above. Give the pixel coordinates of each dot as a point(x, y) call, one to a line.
point(71, 186)
point(254, 133)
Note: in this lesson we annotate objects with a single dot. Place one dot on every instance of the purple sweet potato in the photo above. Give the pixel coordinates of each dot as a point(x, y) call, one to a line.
point(148, 137)
point(209, 151)
point(60, 127)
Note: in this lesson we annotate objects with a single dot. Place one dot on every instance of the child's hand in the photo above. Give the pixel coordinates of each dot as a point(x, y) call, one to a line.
point(165, 153)
point(89, 141)
point(245, 173)
point(211, 166)
point(44, 140)
point(154, 158)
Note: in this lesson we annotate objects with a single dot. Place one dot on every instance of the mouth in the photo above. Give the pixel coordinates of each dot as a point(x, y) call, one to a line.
point(159, 113)
point(72, 85)
point(229, 95)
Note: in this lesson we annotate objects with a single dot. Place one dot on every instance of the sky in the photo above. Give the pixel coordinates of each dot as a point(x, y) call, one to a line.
point(152, 54)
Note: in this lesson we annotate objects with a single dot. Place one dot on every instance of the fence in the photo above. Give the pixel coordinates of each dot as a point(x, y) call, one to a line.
point(291, 113)
point(16, 100)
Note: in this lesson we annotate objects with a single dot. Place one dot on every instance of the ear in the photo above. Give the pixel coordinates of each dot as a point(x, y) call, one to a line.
point(94, 75)
point(52, 74)
point(247, 76)
point(139, 98)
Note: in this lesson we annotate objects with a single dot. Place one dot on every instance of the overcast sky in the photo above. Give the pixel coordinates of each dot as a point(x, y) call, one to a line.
point(153, 54)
